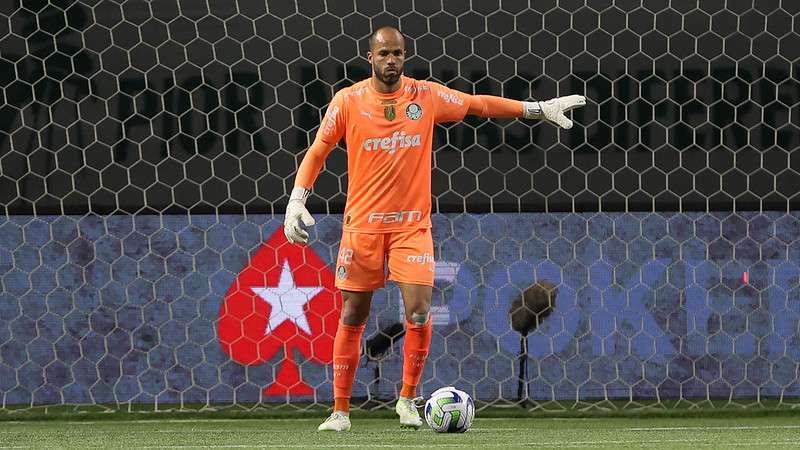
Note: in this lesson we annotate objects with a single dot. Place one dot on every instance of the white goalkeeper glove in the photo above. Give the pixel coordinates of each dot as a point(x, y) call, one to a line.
point(553, 110)
point(295, 213)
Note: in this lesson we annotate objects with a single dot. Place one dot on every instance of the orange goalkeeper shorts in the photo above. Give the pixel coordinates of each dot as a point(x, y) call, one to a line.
point(361, 265)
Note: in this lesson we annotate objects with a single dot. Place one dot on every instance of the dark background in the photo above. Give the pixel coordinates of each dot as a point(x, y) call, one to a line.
point(167, 106)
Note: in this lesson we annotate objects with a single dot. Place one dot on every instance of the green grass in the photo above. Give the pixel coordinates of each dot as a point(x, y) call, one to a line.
point(487, 433)
point(669, 408)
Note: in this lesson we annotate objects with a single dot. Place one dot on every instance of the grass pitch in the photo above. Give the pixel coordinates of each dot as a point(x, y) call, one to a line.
point(371, 433)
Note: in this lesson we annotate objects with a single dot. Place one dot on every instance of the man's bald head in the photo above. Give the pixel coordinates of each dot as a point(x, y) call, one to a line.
point(387, 53)
point(386, 35)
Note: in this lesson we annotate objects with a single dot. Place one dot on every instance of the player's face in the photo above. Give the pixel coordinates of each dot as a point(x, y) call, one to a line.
point(387, 58)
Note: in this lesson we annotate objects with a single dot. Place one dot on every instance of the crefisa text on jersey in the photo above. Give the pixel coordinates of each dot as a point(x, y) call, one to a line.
point(398, 140)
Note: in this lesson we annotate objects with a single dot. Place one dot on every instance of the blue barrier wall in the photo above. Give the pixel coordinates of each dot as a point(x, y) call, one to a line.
point(125, 309)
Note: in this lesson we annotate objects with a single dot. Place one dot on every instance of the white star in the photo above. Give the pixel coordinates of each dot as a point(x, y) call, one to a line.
point(287, 301)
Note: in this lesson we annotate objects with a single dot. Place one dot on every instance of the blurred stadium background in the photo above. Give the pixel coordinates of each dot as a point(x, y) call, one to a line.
point(147, 149)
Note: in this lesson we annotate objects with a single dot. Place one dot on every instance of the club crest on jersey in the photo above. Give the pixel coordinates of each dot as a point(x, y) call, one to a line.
point(413, 111)
point(389, 112)
point(341, 273)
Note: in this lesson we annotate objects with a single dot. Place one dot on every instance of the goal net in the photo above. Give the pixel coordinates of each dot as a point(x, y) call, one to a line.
point(649, 257)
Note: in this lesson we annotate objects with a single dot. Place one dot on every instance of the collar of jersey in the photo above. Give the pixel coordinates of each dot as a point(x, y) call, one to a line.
point(391, 95)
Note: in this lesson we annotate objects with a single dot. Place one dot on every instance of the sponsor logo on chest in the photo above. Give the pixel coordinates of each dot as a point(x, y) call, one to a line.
point(399, 140)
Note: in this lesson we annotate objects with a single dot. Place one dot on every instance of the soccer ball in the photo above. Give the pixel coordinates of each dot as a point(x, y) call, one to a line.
point(449, 411)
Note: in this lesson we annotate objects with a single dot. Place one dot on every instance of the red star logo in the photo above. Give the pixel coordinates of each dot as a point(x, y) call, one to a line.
point(283, 299)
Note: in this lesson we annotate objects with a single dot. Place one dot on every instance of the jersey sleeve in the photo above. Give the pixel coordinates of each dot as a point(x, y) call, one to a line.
point(449, 105)
point(330, 132)
point(332, 128)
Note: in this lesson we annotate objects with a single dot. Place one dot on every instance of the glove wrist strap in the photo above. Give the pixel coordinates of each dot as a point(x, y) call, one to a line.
point(300, 193)
point(531, 110)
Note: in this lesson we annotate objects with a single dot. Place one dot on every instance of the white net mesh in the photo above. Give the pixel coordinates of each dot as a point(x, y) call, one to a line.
point(146, 149)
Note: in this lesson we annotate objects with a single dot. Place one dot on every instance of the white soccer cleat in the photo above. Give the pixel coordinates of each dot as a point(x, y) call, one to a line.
point(335, 422)
point(406, 408)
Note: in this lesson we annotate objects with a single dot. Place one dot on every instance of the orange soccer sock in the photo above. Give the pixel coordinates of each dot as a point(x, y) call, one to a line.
point(346, 353)
point(415, 353)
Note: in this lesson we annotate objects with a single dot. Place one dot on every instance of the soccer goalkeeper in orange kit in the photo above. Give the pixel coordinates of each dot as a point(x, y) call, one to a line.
point(387, 122)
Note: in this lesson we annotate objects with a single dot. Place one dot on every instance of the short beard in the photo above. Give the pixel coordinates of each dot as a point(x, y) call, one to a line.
point(387, 79)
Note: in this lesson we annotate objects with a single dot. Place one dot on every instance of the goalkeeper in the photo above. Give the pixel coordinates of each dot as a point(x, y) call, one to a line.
point(387, 122)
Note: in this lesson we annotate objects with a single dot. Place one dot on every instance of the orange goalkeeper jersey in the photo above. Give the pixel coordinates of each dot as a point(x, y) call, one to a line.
point(388, 139)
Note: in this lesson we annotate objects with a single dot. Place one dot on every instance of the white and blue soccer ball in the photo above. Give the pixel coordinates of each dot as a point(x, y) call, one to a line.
point(449, 410)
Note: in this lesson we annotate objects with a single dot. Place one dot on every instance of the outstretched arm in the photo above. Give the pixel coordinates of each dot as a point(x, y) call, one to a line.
point(450, 105)
point(551, 110)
